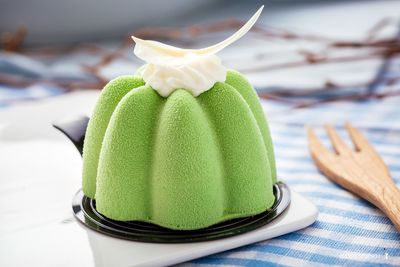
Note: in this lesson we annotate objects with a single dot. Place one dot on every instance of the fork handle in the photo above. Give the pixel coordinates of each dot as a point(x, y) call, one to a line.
point(387, 198)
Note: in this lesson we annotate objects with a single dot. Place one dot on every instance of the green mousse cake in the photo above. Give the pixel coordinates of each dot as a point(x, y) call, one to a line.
point(179, 161)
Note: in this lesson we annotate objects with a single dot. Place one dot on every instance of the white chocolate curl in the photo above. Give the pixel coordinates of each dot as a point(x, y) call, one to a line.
point(196, 70)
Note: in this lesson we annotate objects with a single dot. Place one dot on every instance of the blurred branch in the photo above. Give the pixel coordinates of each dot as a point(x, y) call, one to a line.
point(376, 48)
point(13, 41)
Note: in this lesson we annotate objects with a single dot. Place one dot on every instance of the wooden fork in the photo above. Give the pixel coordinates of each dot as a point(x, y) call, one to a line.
point(360, 170)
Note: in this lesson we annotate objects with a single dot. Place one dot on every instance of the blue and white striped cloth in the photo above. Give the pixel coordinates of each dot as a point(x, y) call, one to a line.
point(349, 230)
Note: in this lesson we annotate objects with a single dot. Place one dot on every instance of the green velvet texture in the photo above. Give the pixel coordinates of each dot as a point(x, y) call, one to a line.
point(181, 162)
point(109, 98)
point(240, 83)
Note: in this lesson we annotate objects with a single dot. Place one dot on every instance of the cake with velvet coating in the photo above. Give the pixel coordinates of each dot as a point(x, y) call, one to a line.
point(182, 161)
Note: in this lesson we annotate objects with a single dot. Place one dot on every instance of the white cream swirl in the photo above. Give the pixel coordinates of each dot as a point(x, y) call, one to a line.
point(193, 72)
point(169, 68)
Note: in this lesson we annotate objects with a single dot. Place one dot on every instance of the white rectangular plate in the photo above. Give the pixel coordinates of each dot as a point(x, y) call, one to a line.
point(71, 244)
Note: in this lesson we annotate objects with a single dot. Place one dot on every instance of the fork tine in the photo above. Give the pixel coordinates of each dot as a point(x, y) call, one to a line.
point(360, 142)
point(316, 146)
point(337, 143)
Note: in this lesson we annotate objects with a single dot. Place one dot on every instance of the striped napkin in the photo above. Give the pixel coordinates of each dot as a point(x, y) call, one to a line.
point(349, 230)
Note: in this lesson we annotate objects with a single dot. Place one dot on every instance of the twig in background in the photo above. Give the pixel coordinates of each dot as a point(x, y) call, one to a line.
point(314, 60)
point(12, 42)
point(377, 48)
point(379, 77)
point(378, 27)
point(305, 104)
